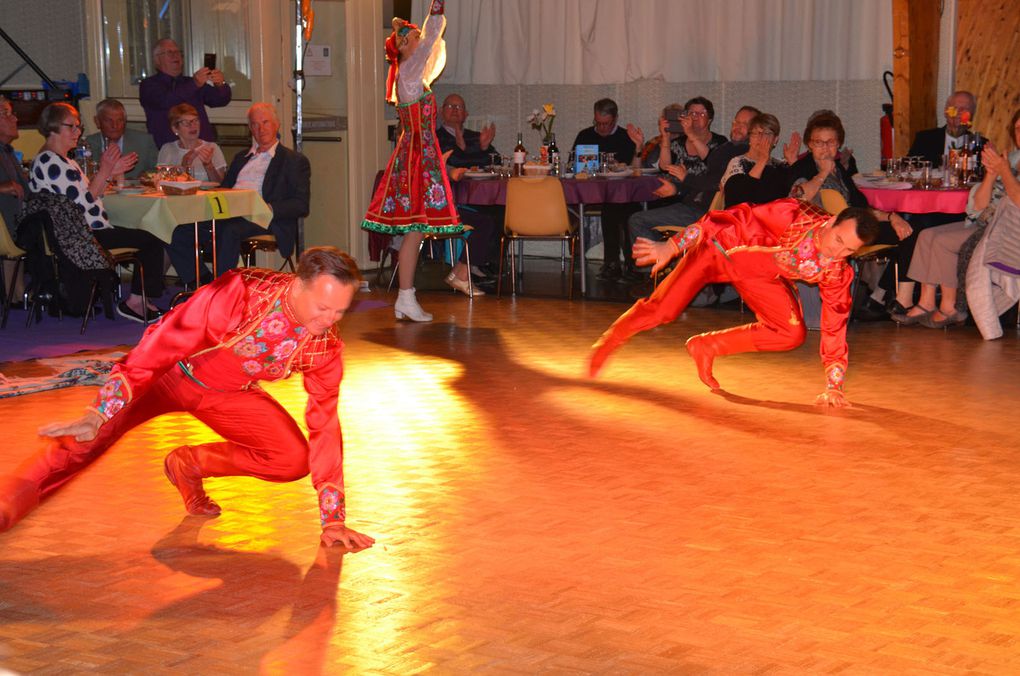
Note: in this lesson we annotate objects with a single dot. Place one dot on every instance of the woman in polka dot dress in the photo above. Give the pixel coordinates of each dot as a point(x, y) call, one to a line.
point(53, 172)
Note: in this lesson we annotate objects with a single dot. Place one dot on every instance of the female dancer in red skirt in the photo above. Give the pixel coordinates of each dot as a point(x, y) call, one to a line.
point(414, 196)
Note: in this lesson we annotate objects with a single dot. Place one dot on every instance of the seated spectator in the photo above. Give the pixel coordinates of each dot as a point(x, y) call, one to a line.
point(607, 134)
point(52, 172)
point(469, 148)
point(821, 169)
point(111, 119)
point(280, 175)
point(169, 87)
point(13, 186)
point(937, 260)
point(203, 159)
point(696, 190)
point(480, 244)
point(680, 153)
point(756, 177)
point(933, 144)
point(624, 144)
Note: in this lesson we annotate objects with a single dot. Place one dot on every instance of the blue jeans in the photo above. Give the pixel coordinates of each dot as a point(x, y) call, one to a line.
point(642, 223)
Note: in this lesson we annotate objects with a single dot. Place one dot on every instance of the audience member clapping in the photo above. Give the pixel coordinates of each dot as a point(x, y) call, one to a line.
point(203, 159)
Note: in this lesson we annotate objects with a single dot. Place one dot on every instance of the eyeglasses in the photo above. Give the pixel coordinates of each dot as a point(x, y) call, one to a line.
point(824, 144)
point(454, 106)
point(7, 113)
point(72, 126)
point(761, 132)
point(697, 113)
point(187, 122)
point(170, 52)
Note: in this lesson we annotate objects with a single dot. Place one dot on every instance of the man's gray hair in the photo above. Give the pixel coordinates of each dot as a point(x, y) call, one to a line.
point(157, 49)
point(262, 105)
point(109, 104)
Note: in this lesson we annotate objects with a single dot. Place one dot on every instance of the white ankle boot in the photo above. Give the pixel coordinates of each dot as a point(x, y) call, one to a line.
point(407, 307)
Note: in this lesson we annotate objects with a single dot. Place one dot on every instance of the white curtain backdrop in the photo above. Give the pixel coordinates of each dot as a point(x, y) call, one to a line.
point(511, 42)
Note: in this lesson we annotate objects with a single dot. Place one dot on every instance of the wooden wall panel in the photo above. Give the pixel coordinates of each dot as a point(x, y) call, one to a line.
point(988, 63)
point(915, 68)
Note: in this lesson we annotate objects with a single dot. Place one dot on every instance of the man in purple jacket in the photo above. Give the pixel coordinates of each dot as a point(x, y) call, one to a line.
point(169, 87)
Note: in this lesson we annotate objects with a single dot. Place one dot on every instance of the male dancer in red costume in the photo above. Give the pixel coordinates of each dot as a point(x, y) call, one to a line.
point(760, 250)
point(206, 357)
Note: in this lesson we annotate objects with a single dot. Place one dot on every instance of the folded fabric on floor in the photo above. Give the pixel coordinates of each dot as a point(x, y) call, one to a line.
point(67, 371)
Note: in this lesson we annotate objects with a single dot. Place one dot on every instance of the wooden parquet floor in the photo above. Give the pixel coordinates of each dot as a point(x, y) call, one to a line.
point(532, 521)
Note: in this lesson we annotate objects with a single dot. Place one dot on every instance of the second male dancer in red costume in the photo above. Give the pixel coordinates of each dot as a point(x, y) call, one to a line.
point(761, 250)
point(207, 357)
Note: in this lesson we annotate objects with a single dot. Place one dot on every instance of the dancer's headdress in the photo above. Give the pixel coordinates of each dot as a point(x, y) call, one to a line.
point(393, 57)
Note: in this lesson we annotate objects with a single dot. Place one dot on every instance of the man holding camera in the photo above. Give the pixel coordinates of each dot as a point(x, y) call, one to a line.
point(169, 87)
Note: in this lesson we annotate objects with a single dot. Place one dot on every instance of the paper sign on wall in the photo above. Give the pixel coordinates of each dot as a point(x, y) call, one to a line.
point(317, 61)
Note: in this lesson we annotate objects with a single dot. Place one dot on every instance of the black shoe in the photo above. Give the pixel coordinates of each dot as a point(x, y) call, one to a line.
point(127, 313)
point(610, 271)
point(630, 275)
point(641, 289)
point(894, 308)
point(153, 314)
point(871, 312)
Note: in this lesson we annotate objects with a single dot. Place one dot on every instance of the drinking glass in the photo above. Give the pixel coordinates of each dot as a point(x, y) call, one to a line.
point(892, 168)
point(494, 163)
point(924, 175)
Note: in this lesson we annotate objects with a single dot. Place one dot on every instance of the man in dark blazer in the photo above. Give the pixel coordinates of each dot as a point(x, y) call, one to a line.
point(932, 144)
point(470, 148)
point(283, 178)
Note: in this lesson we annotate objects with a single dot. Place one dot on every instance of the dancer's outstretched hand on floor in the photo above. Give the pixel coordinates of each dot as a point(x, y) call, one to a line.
point(833, 398)
point(350, 539)
point(84, 428)
point(657, 254)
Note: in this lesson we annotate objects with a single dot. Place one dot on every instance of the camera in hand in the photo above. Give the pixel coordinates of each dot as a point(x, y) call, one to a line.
point(673, 118)
point(210, 61)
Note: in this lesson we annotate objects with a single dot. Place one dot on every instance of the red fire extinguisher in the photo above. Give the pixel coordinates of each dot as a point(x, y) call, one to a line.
point(886, 124)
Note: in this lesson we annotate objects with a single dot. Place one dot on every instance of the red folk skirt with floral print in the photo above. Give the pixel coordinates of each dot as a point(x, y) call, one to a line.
point(414, 193)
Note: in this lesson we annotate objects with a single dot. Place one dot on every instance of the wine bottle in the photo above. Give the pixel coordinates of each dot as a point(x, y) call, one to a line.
point(520, 155)
point(554, 155)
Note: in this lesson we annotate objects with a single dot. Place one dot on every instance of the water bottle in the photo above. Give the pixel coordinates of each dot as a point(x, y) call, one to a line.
point(83, 156)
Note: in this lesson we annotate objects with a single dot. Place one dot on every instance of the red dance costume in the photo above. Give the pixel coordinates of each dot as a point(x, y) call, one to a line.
point(414, 193)
point(206, 358)
point(759, 250)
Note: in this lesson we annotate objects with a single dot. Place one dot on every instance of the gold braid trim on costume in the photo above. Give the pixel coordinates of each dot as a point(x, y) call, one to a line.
point(264, 288)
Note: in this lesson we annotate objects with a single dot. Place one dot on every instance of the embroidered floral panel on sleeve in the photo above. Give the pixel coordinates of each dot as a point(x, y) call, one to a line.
point(332, 508)
point(113, 396)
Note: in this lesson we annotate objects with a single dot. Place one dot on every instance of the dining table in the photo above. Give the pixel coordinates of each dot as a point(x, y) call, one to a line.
point(490, 190)
point(916, 201)
point(160, 214)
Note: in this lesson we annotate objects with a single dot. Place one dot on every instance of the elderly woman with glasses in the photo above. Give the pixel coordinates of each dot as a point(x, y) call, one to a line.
point(824, 168)
point(203, 159)
point(53, 172)
point(756, 177)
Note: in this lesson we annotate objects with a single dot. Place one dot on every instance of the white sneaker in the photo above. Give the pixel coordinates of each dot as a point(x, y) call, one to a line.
point(462, 285)
point(407, 307)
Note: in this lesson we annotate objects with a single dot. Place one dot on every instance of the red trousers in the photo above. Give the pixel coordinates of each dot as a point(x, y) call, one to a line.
point(756, 277)
point(262, 439)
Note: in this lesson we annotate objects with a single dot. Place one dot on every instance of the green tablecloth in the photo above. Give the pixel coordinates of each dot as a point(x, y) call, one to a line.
point(160, 214)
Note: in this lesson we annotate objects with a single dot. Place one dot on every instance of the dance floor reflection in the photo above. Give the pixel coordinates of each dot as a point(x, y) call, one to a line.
point(529, 519)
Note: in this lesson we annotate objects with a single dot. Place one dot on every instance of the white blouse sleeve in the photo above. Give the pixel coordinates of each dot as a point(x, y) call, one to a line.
point(422, 68)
